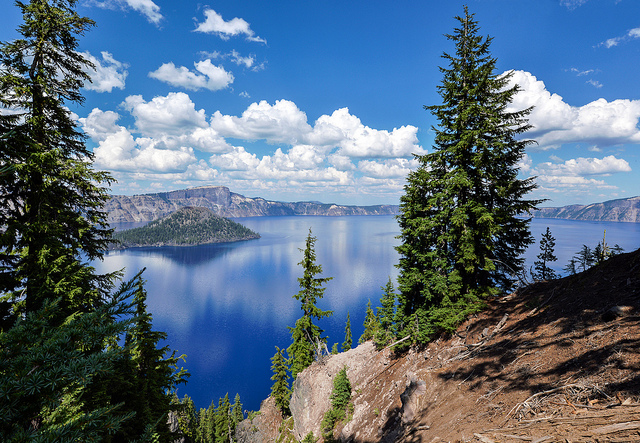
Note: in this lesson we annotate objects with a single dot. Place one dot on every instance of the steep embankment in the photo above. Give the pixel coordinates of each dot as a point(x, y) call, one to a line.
point(558, 361)
point(621, 210)
point(141, 208)
point(187, 226)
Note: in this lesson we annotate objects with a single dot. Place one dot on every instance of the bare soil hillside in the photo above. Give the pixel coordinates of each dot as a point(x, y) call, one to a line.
point(557, 361)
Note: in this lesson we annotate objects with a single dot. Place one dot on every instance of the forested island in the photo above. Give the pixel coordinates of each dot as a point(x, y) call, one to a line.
point(189, 226)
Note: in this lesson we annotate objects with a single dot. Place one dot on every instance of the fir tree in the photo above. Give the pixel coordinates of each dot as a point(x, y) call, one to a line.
point(187, 417)
point(570, 268)
point(459, 217)
point(206, 427)
point(602, 251)
point(280, 389)
point(585, 258)
point(53, 224)
point(236, 412)
point(541, 266)
point(222, 420)
point(370, 325)
point(348, 340)
point(386, 316)
point(334, 349)
point(46, 366)
point(340, 404)
point(616, 250)
point(51, 198)
point(307, 336)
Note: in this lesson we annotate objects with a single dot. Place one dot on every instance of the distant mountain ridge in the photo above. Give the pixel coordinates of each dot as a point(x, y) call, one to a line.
point(223, 202)
point(620, 210)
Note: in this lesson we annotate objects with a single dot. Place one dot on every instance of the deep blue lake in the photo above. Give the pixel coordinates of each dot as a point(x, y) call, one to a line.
point(227, 306)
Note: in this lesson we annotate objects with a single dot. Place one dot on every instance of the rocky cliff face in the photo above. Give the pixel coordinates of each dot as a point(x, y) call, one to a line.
point(621, 210)
point(143, 208)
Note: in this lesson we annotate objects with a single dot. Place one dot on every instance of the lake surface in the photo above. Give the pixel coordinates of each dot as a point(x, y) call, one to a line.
point(227, 306)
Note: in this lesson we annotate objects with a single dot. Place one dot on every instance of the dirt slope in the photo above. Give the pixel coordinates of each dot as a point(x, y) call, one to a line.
point(559, 361)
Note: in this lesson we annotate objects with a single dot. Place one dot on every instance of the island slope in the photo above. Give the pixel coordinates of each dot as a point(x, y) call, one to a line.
point(188, 226)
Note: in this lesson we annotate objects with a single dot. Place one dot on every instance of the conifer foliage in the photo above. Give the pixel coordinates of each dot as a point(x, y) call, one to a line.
point(78, 358)
point(546, 256)
point(460, 230)
point(386, 316)
point(280, 389)
point(370, 324)
point(307, 336)
point(51, 198)
point(348, 338)
point(341, 405)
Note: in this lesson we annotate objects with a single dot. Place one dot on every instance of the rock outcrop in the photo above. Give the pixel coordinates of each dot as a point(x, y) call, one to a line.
point(264, 427)
point(148, 207)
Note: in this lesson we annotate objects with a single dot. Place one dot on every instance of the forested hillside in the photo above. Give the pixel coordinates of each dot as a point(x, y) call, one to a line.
point(186, 227)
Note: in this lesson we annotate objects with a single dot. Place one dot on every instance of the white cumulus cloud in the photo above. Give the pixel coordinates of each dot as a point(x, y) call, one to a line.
point(169, 137)
point(586, 166)
point(108, 73)
point(215, 24)
point(395, 168)
point(599, 123)
point(118, 150)
point(173, 114)
point(147, 8)
point(282, 122)
point(207, 76)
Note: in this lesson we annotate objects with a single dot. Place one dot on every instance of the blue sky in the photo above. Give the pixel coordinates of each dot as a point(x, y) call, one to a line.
point(298, 100)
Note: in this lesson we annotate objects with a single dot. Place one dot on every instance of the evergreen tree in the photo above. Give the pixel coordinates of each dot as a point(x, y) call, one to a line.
point(541, 266)
point(46, 366)
point(156, 375)
point(52, 225)
point(236, 412)
point(340, 404)
point(602, 251)
point(222, 420)
point(206, 427)
point(307, 336)
point(371, 325)
point(386, 316)
point(334, 349)
point(187, 417)
point(348, 340)
point(280, 390)
point(459, 217)
point(570, 268)
point(50, 196)
point(616, 250)
point(585, 258)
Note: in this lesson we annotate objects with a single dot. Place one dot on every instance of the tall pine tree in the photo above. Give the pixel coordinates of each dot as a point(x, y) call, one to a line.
point(546, 256)
point(51, 198)
point(280, 389)
point(386, 316)
point(371, 324)
point(459, 217)
point(348, 338)
point(307, 336)
point(52, 224)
